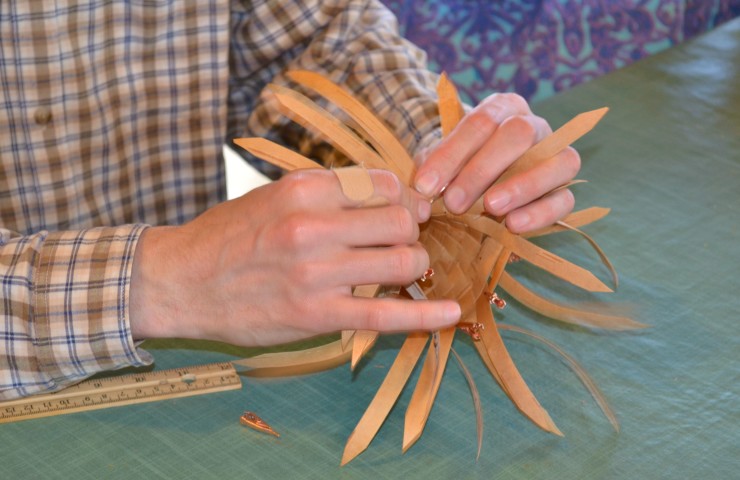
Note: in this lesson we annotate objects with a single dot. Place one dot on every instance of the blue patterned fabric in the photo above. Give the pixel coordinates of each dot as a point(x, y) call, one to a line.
point(539, 47)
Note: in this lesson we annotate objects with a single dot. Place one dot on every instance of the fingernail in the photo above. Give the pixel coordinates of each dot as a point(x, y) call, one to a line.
point(518, 221)
point(425, 210)
point(498, 201)
point(455, 198)
point(427, 183)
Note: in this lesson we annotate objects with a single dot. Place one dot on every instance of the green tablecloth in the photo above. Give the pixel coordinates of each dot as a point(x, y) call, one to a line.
point(666, 159)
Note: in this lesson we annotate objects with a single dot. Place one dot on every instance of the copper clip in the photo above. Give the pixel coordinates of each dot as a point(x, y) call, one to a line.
point(251, 420)
point(472, 329)
point(494, 299)
point(427, 275)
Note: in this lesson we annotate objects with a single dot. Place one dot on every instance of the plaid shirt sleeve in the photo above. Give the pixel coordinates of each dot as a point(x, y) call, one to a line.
point(65, 307)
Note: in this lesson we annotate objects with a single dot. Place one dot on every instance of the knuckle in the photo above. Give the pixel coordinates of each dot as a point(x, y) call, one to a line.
point(402, 263)
point(404, 225)
point(482, 121)
point(303, 273)
point(514, 100)
point(521, 128)
point(293, 232)
point(571, 161)
point(388, 185)
point(297, 187)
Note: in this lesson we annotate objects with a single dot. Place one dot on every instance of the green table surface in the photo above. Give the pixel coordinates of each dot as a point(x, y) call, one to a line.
point(666, 160)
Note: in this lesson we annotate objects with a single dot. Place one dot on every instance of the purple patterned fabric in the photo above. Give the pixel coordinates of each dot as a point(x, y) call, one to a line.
point(538, 47)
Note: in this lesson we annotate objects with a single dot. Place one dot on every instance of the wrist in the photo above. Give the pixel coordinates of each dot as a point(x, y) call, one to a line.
point(152, 299)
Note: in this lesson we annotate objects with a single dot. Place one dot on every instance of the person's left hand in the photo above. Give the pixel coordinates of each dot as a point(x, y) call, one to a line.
point(488, 139)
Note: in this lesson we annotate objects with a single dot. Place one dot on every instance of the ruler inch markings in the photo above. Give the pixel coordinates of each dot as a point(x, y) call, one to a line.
point(95, 394)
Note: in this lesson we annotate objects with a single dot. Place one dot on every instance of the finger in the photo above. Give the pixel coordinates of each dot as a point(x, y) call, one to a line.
point(452, 153)
point(389, 189)
point(541, 213)
point(398, 265)
point(514, 136)
point(389, 315)
point(349, 228)
point(321, 190)
point(369, 227)
point(526, 187)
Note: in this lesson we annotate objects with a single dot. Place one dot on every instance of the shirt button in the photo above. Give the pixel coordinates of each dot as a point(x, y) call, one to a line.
point(42, 116)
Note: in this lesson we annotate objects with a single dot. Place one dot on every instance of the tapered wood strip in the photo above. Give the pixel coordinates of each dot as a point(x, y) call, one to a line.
point(427, 387)
point(298, 362)
point(371, 127)
point(488, 258)
point(555, 143)
point(276, 154)
point(386, 396)
point(599, 251)
point(575, 219)
point(312, 117)
point(476, 400)
point(580, 372)
point(498, 268)
point(564, 313)
point(347, 336)
point(506, 371)
point(538, 256)
point(451, 110)
point(483, 354)
point(363, 342)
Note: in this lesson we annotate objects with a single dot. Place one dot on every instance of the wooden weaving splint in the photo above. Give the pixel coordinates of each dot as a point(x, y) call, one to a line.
point(468, 254)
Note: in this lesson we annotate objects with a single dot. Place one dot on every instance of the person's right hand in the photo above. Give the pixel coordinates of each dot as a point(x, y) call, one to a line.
point(279, 263)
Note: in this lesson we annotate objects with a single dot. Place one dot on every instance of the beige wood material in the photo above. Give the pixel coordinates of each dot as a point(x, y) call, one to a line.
point(580, 372)
point(312, 117)
point(427, 387)
point(299, 362)
point(507, 373)
point(575, 219)
point(371, 127)
point(386, 396)
point(538, 256)
point(600, 318)
point(276, 154)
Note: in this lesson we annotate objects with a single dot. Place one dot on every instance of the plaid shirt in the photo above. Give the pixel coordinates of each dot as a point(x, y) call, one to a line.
point(112, 117)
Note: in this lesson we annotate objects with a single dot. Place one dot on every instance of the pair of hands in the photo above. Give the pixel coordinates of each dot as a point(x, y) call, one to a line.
point(279, 263)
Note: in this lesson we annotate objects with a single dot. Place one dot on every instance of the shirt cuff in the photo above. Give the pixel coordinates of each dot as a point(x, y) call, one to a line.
point(81, 304)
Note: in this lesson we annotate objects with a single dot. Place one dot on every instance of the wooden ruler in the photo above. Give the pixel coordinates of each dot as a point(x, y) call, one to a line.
point(124, 390)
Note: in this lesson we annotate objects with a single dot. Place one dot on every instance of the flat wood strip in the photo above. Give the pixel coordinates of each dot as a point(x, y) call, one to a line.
point(276, 154)
point(427, 387)
point(451, 110)
point(299, 362)
point(564, 313)
point(555, 143)
point(538, 256)
point(575, 219)
point(507, 373)
point(386, 396)
point(312, 117)
point(371, 127)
